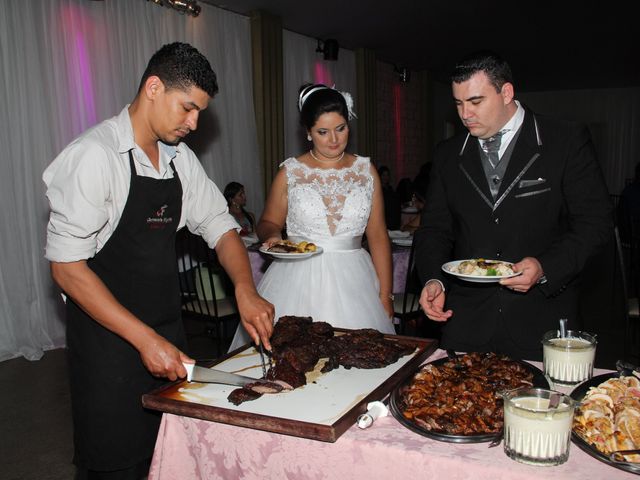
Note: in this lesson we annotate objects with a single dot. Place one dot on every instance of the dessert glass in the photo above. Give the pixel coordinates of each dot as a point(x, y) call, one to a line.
point(536, 432)
point(568, 360)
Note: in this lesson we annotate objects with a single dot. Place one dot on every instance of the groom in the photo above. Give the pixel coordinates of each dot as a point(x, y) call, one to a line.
point(518, 187)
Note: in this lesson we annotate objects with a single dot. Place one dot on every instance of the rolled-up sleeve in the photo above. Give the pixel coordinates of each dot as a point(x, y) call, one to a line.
point(205, 208)
point(77, 191)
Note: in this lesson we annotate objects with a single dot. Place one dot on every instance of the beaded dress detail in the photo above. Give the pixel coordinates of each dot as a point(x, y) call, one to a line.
point(332, 202)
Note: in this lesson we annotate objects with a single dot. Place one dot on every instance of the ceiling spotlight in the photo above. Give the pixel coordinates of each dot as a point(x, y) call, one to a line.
point(329, 48)
point(404, 74)
point(189, 7)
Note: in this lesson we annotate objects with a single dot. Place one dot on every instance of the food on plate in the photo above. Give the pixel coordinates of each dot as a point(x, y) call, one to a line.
point(287, 246)
point(609, 416)
point(483, 268)
point(298, 343)
point(460, 397)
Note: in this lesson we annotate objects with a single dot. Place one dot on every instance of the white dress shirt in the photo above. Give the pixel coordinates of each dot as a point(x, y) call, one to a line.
point(88, 185)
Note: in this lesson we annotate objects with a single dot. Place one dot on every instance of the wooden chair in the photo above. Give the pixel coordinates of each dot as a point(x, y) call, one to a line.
point(630, 295)
point(633, 294)
point(615, 200)
point(406, 304)
point(203, 287)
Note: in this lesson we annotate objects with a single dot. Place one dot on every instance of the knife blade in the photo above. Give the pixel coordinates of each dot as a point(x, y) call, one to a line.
point(264, 366)
point(196, 373)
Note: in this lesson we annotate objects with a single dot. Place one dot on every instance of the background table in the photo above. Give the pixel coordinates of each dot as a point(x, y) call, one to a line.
point(188, 449)
point(260, 262)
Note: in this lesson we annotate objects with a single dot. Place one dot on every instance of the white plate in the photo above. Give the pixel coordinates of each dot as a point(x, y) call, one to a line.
point(291, 256)
point(405, 242)
point(476, 278)
point(398, 234)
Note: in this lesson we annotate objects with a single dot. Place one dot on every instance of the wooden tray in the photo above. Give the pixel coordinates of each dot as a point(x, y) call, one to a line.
point(321, 410)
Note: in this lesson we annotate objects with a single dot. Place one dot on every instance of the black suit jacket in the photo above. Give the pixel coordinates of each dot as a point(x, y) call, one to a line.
point(552, 205)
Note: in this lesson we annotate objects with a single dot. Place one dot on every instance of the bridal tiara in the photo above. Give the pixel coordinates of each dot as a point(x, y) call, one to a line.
point(307, 92)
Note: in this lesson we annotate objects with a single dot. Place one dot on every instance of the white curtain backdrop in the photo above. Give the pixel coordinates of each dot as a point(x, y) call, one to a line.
point(303, 65)
point(66, 65)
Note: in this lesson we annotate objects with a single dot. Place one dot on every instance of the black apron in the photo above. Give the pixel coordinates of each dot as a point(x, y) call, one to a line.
point(138, 265)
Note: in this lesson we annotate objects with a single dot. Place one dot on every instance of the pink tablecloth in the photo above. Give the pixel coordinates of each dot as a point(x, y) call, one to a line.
point(260, 262)
point(189, 449)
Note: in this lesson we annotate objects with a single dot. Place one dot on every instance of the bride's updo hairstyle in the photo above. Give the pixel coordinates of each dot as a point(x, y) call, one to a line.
point(314, 100)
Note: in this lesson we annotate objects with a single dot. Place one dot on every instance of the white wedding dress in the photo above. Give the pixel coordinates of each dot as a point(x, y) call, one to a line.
point(339, 286)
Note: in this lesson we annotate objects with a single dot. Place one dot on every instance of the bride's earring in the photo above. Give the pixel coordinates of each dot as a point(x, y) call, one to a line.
point(309, 137)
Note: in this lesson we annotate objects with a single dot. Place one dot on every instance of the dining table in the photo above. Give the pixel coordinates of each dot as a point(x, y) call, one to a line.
point(189, 448)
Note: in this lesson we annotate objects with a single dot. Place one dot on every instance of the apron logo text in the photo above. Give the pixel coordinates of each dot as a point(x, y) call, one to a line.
point(159, 220)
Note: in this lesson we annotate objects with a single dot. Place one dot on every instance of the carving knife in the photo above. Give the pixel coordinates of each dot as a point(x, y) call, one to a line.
point(196, 373)
point(264, 366)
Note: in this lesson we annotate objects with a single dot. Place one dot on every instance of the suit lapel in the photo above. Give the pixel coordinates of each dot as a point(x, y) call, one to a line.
point(471, 166)
point(526, 151)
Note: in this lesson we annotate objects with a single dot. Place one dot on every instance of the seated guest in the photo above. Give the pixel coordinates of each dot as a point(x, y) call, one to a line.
point(413, 223)
point(404, 190)
point(237, 199)
point(391, 200)
point(421, 180)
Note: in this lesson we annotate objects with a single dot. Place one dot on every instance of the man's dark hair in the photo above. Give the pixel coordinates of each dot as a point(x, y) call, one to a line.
point(322, 100)
point(181, 66)
point(495, 67)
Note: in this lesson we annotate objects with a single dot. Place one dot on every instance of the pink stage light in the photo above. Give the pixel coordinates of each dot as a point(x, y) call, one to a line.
point(77, 25)
point(322, 74)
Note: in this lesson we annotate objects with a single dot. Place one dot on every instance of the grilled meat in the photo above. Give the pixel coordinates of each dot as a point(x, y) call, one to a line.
point(240, 395)
point(287, 246)
point(283, 248)
point(299, 342)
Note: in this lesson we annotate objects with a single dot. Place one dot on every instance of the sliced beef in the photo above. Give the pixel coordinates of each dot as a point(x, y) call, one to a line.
point(240, 395)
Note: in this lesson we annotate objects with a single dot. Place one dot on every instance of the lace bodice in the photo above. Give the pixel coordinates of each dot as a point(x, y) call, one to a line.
point(331, 202)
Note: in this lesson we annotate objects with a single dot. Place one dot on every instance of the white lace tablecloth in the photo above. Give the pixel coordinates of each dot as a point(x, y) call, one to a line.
point(188, 449)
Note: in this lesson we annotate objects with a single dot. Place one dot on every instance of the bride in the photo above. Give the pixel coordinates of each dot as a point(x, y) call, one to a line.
point(331, 198)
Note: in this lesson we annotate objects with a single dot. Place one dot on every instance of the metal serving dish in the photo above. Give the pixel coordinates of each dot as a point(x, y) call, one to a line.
point(578, 394)
point(396, 407)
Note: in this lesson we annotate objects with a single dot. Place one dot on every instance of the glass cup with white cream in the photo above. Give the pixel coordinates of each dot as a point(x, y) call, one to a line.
point(537, 426)
point(568, 360)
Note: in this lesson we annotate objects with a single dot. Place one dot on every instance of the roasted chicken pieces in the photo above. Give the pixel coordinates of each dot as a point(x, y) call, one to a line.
point(609, 416)
point(460, 397)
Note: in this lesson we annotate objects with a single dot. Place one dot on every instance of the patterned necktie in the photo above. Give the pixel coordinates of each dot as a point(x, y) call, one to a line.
point(491, 146)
